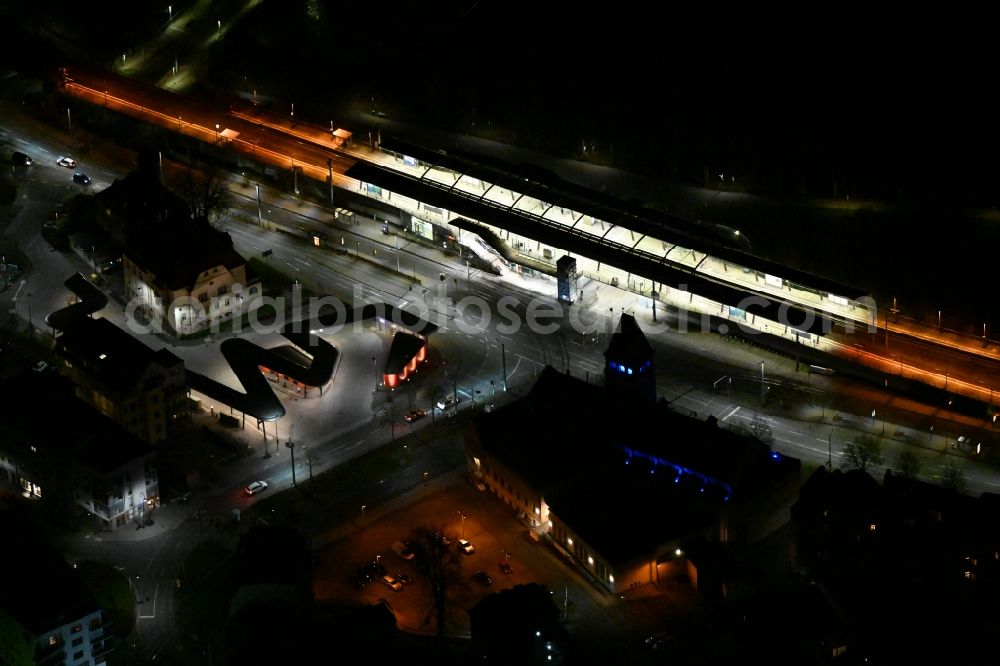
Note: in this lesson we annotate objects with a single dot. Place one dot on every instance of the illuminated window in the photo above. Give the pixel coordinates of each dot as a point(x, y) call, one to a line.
point(569, 541)
point(590, 560)
point(871, 528)
point(621, 368)
point(78, 628)
point(630, 371)
point(611, 578)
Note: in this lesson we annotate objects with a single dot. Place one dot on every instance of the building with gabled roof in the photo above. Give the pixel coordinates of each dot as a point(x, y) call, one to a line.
point(70, 456)
point(46, 597)
point(186, 276)
point(619, 486)
point(142, 389)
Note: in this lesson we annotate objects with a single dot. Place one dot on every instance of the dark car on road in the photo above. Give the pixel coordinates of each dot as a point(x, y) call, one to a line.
point(415, 415)
point(482, 578)
point(20, 159)
point(81, 178)
point(111, 265)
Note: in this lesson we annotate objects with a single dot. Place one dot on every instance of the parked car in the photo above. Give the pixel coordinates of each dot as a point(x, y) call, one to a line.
point(506, 568)
point(40, 366)
point(403, 550)
point(20, 159)
point(404, 579)
point(466, 547)
point(415, 415)
point(659, 642)
point(67, 162)
point(255, 487)
point(111, 265)
point(368, 572)
point(81, 178)
point(482, 578)
point(445, 403)
point(392, 582)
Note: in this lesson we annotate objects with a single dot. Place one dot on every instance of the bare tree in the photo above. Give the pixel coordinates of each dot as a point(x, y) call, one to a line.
point(760, 429)
point(438, 560)
point(909, 464)
point(433, 394)
point(953, 478)
point(864, 452)
point(206, 196)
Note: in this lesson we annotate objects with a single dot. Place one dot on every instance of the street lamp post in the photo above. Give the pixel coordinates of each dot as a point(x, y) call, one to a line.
point(329, 170)
point(463, 522)
point(260, 219)
point(363, 514)
point(69, 122)
point(375, 371)
point(503, 360)
point(217, 132)
point(762, 382)
point(291, 447)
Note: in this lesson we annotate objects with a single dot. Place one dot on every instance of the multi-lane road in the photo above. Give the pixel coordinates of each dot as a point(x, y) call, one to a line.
point(470, 354)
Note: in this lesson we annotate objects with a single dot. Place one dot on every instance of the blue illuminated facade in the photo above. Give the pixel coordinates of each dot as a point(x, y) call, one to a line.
point(629, 370)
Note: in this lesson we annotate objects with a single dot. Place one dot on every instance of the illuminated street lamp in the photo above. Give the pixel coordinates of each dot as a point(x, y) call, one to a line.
point(463, 523)
point(216, 132)
point(762, 384)
point(220, 27)
point(170, 12)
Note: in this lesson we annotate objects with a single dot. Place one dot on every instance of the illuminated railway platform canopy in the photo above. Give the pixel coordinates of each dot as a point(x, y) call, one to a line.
point(541, 218)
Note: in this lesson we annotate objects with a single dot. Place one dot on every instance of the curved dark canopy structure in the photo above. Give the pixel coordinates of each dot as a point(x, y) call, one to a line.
point(245, 358)
point(90, 299)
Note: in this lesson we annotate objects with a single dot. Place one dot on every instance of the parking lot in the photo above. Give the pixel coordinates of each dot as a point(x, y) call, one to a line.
point(601, 625)
point(459, 511)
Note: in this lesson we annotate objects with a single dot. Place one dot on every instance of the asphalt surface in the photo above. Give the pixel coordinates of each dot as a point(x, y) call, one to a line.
point(468, 358)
